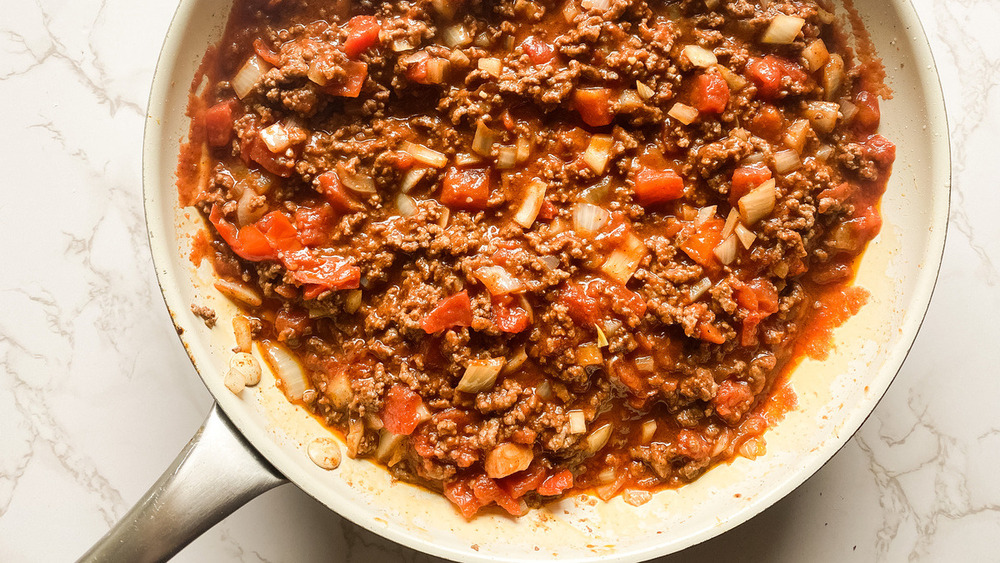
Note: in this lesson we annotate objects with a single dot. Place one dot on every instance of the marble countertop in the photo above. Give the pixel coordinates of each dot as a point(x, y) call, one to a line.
point(97, 396)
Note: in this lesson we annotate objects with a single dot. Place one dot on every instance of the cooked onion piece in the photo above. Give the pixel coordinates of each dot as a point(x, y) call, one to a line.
point(531, 203)
point(498, 280)
point(426, 155)
point(480, 375)
point(249, 75)
point(698, 56)
point(598, 153)
point(758, 203)
point(683, 113)
point(783, 29)
point(288, 370)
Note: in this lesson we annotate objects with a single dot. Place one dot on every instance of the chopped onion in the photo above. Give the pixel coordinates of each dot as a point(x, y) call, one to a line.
point(544, 390)
point(388, 444)
point(238, 292)
point(595, 4)
point(506, 459)
point(286, 367)
point(445, 7)
point(786, 161)
point(426, 155)
point(456, 36)
point(699, 56)
point(402, 44)
point(482, 40)
point(243, 331)
point(753, 448)
point(406, 206)
point(644, 91)
point(704, 214)
point(523, 149)
point(352, 301)
point(824, 152)
point(436, 68)
point(683, 113)
point(726, 251)
point(796, 135)
point(623, 262)
point(480, 375)
point(745, 235)
point(498, 280)
point(597, 439)
point(833, 76)
point(577, 422)
point(249, 74)
point(589, 355)
point(359, 183)
point(466, 159)
point(636, 497)
point(411, 179)
point(515, 363)
point(246, 213)
point(506, 157)
point(483, 141)
point(598, 152)
point(848, 110)
point(628, 101)
point(339, 391)
point(758, 203)
point(491, 65)
point(822, 115)
point(699, 289)
point(735, 81)
point(815, 55)
point(645, 363)
point(602, 339)
point(588, 218)
point(607, 475)
point(754, 158)
point(731, 220)
point(316, 75)
point(275, 137)
point(531, 204)
point(783, 29)
point(551, 262)
point(647, 431)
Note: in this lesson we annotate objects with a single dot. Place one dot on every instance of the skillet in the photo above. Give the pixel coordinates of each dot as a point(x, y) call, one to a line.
point(257, 441)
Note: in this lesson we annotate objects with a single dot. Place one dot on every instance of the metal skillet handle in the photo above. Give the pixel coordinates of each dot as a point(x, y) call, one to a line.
point(216, 473)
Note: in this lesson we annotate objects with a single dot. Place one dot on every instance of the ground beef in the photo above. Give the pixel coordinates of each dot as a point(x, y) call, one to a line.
point(499, 227)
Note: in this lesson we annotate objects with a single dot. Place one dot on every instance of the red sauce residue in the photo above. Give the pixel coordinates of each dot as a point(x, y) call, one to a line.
point(189, 162)
point(834, 309)
point(872, 69)
point(781, 401)
point(201, 247)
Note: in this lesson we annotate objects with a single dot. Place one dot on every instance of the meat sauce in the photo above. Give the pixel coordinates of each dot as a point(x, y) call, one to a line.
point(530, 248)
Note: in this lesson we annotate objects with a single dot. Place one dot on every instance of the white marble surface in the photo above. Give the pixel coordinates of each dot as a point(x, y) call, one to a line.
point(97, 395)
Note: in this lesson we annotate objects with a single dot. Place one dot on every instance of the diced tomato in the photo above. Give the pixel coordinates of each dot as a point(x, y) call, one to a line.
point(537, 50)
point(280, 232)
point(314, 224)
point(759, 299)
point(265, 52)
point(556, 484)
point(522, 482)
point(732, 400)
point(654, 186)
point(767, 74)
point(333, 272)
point(548, 211)
point(746, 178)
point(710, 94)
point(466, 188)
point(219, 124)
point(869, 115)
point(460, 494)
point(592, 301)
point(453, 311)
point(881, 150)
point(692, 445)
point(487, 491)
point(629, 376)
point(333, 190)
point(362, 34)
point(767, 123)
point(710, 333)
point(508, 315)
point(248, 242)
point(701, 243)
point(351, 85)
point(416, 68)
point(313, 290)
point(400, 410)
point(277, 164)
point(594, 106)
point(291, 323)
